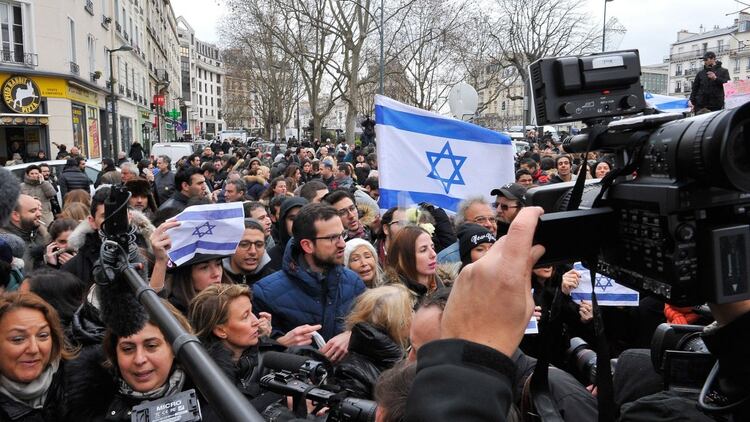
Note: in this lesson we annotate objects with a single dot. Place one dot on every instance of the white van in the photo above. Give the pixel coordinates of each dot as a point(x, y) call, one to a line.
point(173, 150)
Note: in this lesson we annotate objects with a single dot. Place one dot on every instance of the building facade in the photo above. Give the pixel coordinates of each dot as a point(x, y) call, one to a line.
point(655, 78)
point(55, 71)
point(202, 96)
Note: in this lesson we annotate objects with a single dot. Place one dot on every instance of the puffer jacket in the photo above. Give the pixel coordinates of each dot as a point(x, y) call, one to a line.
point(371, 351)
point(44, 192)
point(72, 178)
point(296, 295)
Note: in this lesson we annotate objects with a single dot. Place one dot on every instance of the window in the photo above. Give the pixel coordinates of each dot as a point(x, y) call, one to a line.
point(678, 86)
point(11, 32)
point(720, 46)
point(72, 29)
point(91, 45)
point(218, 79)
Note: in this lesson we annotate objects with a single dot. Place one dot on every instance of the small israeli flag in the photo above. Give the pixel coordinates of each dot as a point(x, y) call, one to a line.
point(426, 157)
point(666, 103)
point(214, 229)
point(608, 292)
point(532, 327)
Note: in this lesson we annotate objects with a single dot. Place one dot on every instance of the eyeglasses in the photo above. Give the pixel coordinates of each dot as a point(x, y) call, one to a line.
point(246, 245)
point(484, 219)
point(349, 210)
point(332, 238)
point(504, 207)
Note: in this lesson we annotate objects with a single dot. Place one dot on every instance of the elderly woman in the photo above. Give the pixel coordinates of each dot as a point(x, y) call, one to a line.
point(32, 352)
point(360, 256)
point(379, 321)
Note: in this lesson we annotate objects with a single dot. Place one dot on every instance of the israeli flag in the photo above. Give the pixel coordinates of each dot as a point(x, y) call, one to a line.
point(426, 157)
point(666, 103)
point(532, 327)
point(608, 292)
point(208, 229)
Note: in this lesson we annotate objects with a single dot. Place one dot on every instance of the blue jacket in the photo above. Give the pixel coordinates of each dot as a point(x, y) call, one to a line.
point(295, 295)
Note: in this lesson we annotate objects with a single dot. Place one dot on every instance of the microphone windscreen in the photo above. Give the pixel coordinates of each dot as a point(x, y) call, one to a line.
point(283, 361)
point(10, 187)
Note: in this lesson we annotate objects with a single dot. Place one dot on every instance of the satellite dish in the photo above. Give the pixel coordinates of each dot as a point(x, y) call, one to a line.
point(463, 100)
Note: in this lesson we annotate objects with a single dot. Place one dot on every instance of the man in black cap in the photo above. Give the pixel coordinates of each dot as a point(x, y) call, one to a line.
point(708, 87)
point(510, 199)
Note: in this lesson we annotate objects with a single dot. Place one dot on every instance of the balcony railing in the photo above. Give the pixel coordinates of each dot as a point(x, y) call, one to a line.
point(677, 90)
point(678, 73)
point(89, 7)
point(74, 69)
point(18, 57)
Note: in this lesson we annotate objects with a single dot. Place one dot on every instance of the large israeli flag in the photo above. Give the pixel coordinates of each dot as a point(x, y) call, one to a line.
point(666, 103)
point(425, 157)
point(208, 229)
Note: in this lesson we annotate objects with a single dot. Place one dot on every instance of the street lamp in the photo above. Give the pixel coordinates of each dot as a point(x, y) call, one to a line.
point(604, 25)
point(113, 97)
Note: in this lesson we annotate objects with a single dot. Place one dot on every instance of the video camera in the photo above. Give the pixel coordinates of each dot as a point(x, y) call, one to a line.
point(305, 379)
point(673, 217)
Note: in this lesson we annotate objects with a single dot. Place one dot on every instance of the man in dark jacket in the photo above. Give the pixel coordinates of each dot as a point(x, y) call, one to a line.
point(164, 179)
point(24, 223)
point(72, 177)
point(314, 287)
point(88, 240)
point(250, 261)
point(190, 183)
point(708, 86)
point(136, 152)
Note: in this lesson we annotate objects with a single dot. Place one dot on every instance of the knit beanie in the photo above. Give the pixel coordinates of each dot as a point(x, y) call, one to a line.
point(471, 235)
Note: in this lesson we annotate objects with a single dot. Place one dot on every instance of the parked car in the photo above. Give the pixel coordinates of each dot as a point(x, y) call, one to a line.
point(173, 150)
point(92, 169)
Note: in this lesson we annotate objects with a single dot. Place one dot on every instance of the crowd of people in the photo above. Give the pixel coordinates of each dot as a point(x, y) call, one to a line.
point(316, 258)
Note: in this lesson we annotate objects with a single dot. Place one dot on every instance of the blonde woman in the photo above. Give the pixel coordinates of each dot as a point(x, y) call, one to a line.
point(379, 322)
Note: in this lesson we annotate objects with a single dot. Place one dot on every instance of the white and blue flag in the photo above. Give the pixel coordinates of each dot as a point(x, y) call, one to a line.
point(608, 292)
point(426, 157)
point(666, 103)
point(214, 229)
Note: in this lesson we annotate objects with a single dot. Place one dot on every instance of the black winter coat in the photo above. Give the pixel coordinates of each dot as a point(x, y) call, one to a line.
point(82, 265)
point(371, 351)
point(54, 405)
point(707, 93)
point(72, 178)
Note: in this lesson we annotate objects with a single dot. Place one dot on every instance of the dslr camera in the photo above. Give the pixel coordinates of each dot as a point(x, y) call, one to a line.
point(673, 218)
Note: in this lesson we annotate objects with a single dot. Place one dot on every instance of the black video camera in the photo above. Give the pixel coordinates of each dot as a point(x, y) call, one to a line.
point(674, 218)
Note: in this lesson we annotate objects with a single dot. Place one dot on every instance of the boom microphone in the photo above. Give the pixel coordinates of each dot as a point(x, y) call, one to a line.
point(120, 310)
point(10, 187)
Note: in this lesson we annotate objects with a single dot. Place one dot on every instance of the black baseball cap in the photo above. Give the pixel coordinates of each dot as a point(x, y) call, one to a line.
point(709, 55)
point(512, 191)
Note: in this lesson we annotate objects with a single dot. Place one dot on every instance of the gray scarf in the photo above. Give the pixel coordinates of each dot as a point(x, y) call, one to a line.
point(33, 394)
point(173, 385)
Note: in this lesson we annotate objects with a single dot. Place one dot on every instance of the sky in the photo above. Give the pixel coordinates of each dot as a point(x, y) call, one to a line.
point(651, 24)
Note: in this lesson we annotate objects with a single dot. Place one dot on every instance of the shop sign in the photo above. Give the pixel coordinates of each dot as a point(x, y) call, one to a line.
point(21, 94)
point(81, 95)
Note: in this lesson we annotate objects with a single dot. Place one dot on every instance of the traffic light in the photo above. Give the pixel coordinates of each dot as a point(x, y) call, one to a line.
point(153, 107)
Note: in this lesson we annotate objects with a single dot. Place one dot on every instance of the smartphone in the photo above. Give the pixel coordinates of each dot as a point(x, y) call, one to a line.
point(318, 339)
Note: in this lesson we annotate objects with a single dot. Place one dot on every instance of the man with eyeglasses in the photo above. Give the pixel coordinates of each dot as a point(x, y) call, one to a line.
point(313, 288)
point(289, 209)
point(510, 199)
point(346, 207)
point(250, 260)
point(471, 210)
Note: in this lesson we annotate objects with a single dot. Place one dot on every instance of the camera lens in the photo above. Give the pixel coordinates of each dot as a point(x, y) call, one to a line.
point(735, 153)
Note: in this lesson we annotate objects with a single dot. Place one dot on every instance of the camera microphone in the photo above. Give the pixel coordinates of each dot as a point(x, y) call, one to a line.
point(279, 361)
point(10, 188)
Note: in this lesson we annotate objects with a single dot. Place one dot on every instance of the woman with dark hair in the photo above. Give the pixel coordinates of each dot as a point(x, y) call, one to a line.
point(601, 169)
point(58, 251)
point(412, 261)
point(32, 359)
point(390, 223)
point(277, 187)
point(130, 371)
point(293, 171)
point(61, 289)
point(307, 171)
point(223, 318)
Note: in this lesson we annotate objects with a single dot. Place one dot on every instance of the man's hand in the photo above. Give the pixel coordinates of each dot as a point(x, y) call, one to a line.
point(337, 347)
point(711, 75)
point(299, 336)
point(499, 280)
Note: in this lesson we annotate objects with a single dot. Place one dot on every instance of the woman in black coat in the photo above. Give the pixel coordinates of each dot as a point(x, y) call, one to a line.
point(223, 318)
point(379, 323)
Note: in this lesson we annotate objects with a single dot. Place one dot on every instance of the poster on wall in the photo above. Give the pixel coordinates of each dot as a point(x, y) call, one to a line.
point(79, 128)
point(93, 145)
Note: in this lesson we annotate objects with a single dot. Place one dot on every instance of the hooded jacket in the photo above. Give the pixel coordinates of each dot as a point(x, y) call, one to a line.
point(296, 295)
point(371, 351)
point(707, 93)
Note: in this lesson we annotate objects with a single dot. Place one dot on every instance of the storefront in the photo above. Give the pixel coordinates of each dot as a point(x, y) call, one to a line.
point(39, 112)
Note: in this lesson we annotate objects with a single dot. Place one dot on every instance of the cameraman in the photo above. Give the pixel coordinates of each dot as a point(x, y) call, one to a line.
point(708, 86)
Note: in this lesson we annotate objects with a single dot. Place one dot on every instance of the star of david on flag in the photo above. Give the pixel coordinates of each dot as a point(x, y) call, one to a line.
point(426, 157)
point(608, 292)
point(214, 229)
